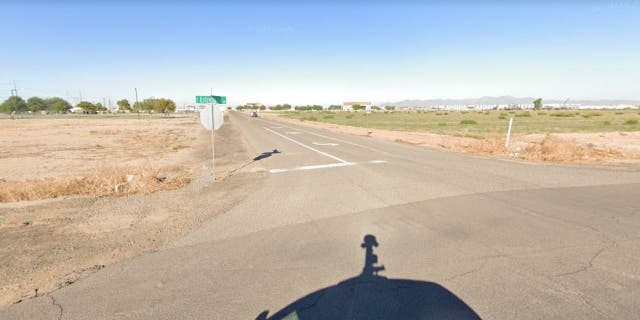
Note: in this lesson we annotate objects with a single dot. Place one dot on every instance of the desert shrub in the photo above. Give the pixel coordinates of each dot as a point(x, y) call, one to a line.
point(607, 123)
point(468, 121)
point(442, 124)
point(520, 115)
point(349, 116)
point(329, 116)
point(562, 115)
point(631, 122)
point(502, 117)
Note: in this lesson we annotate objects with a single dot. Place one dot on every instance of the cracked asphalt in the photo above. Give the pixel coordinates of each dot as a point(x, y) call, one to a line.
point(510, 240)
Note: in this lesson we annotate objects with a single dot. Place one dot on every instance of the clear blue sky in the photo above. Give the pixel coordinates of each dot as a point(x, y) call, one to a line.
point(322, 53)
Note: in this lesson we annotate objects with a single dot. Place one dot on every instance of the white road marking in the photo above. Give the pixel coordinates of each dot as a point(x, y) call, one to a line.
point(276, 127)
point(308, 147)
point(314, 167)
point(377, 161)
point(293, 132)
point(326, 144)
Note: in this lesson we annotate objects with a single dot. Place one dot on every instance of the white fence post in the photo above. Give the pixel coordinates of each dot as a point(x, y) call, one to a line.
point(508, 133)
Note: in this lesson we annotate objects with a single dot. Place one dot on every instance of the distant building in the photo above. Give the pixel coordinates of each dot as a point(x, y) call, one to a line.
point(255, 104)
point(349, 104)
point(187, 108)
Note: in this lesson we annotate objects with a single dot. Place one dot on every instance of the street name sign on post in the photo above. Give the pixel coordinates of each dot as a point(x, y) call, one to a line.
point(211, 99)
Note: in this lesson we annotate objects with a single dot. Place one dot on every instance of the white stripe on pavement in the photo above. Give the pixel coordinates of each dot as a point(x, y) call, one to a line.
point(319, 166)
point(308, 147)
point(326, 144)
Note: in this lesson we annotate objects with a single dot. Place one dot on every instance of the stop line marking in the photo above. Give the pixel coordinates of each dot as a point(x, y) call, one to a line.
point(314, 167)
point(326, 144)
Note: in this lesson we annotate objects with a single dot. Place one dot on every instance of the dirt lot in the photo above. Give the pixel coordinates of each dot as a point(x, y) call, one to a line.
point(609, 148)
point(46, 158)
point(47, 244)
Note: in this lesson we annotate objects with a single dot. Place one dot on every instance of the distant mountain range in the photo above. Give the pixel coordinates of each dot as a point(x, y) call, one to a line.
point(504, 100)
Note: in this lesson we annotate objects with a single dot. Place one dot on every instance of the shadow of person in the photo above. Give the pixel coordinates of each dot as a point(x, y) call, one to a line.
point(370, 296)
point(266, 155)
point(257, 158)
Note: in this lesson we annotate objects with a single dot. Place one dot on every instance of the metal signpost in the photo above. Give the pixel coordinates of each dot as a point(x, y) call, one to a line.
point(212, 100)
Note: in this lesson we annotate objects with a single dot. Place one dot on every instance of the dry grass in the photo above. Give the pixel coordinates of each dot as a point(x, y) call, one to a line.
point(597, 148)
point(485, 146)
point(555, 149)
point(101, 182)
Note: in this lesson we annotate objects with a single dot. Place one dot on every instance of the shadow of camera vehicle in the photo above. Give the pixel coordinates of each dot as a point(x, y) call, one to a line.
point(371, 296)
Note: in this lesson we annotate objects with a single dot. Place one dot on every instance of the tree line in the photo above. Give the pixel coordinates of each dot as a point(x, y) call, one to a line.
point(59, 105)
point(34, 104)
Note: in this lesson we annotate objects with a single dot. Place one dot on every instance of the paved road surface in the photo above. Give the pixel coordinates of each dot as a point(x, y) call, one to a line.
point(458, 235)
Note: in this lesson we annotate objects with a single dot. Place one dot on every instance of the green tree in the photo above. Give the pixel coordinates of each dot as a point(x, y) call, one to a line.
point(390, 108)
point(137, 106)
point(358, 107)
point(123, 105)
point(335, 107)
point(537, 104)
point(100, 107)
point(87, 106)
point(56, 104)
point(285, 106)
point(163, 105)
point(14, 103)
point(36, 104)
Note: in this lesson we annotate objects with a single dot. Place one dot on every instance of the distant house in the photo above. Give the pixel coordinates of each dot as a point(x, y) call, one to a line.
point(76, 110)
point(257, 105)
point(348, 105)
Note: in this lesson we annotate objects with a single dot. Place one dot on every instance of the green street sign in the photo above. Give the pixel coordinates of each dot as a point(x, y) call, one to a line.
point(211, 99)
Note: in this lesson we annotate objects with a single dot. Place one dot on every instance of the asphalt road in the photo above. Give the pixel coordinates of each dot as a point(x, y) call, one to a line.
point(458, 236)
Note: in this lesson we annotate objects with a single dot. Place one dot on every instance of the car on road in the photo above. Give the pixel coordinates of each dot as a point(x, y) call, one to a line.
point(254, 114)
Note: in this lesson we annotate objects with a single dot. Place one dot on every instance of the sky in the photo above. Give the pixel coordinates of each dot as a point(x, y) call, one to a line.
point(310, 52)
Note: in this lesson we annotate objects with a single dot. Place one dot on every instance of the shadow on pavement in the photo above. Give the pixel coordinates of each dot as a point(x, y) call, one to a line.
point(370, 296)
point(258, 158)
point(266, 155)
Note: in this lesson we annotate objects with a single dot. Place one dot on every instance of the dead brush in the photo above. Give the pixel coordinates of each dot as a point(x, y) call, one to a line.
point(99, 182)
point(552, 148)
point(485, 146)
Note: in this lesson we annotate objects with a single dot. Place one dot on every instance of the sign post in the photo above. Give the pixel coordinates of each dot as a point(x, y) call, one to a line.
point(212, 100)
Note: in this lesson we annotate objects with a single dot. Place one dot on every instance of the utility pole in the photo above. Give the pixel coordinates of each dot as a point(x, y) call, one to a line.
point(137, 104)
point(14, 91)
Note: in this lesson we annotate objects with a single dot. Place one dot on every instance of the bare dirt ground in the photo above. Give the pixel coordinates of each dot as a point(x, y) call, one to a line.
point(48, 158)
point(47, 244)
point(611, 148)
